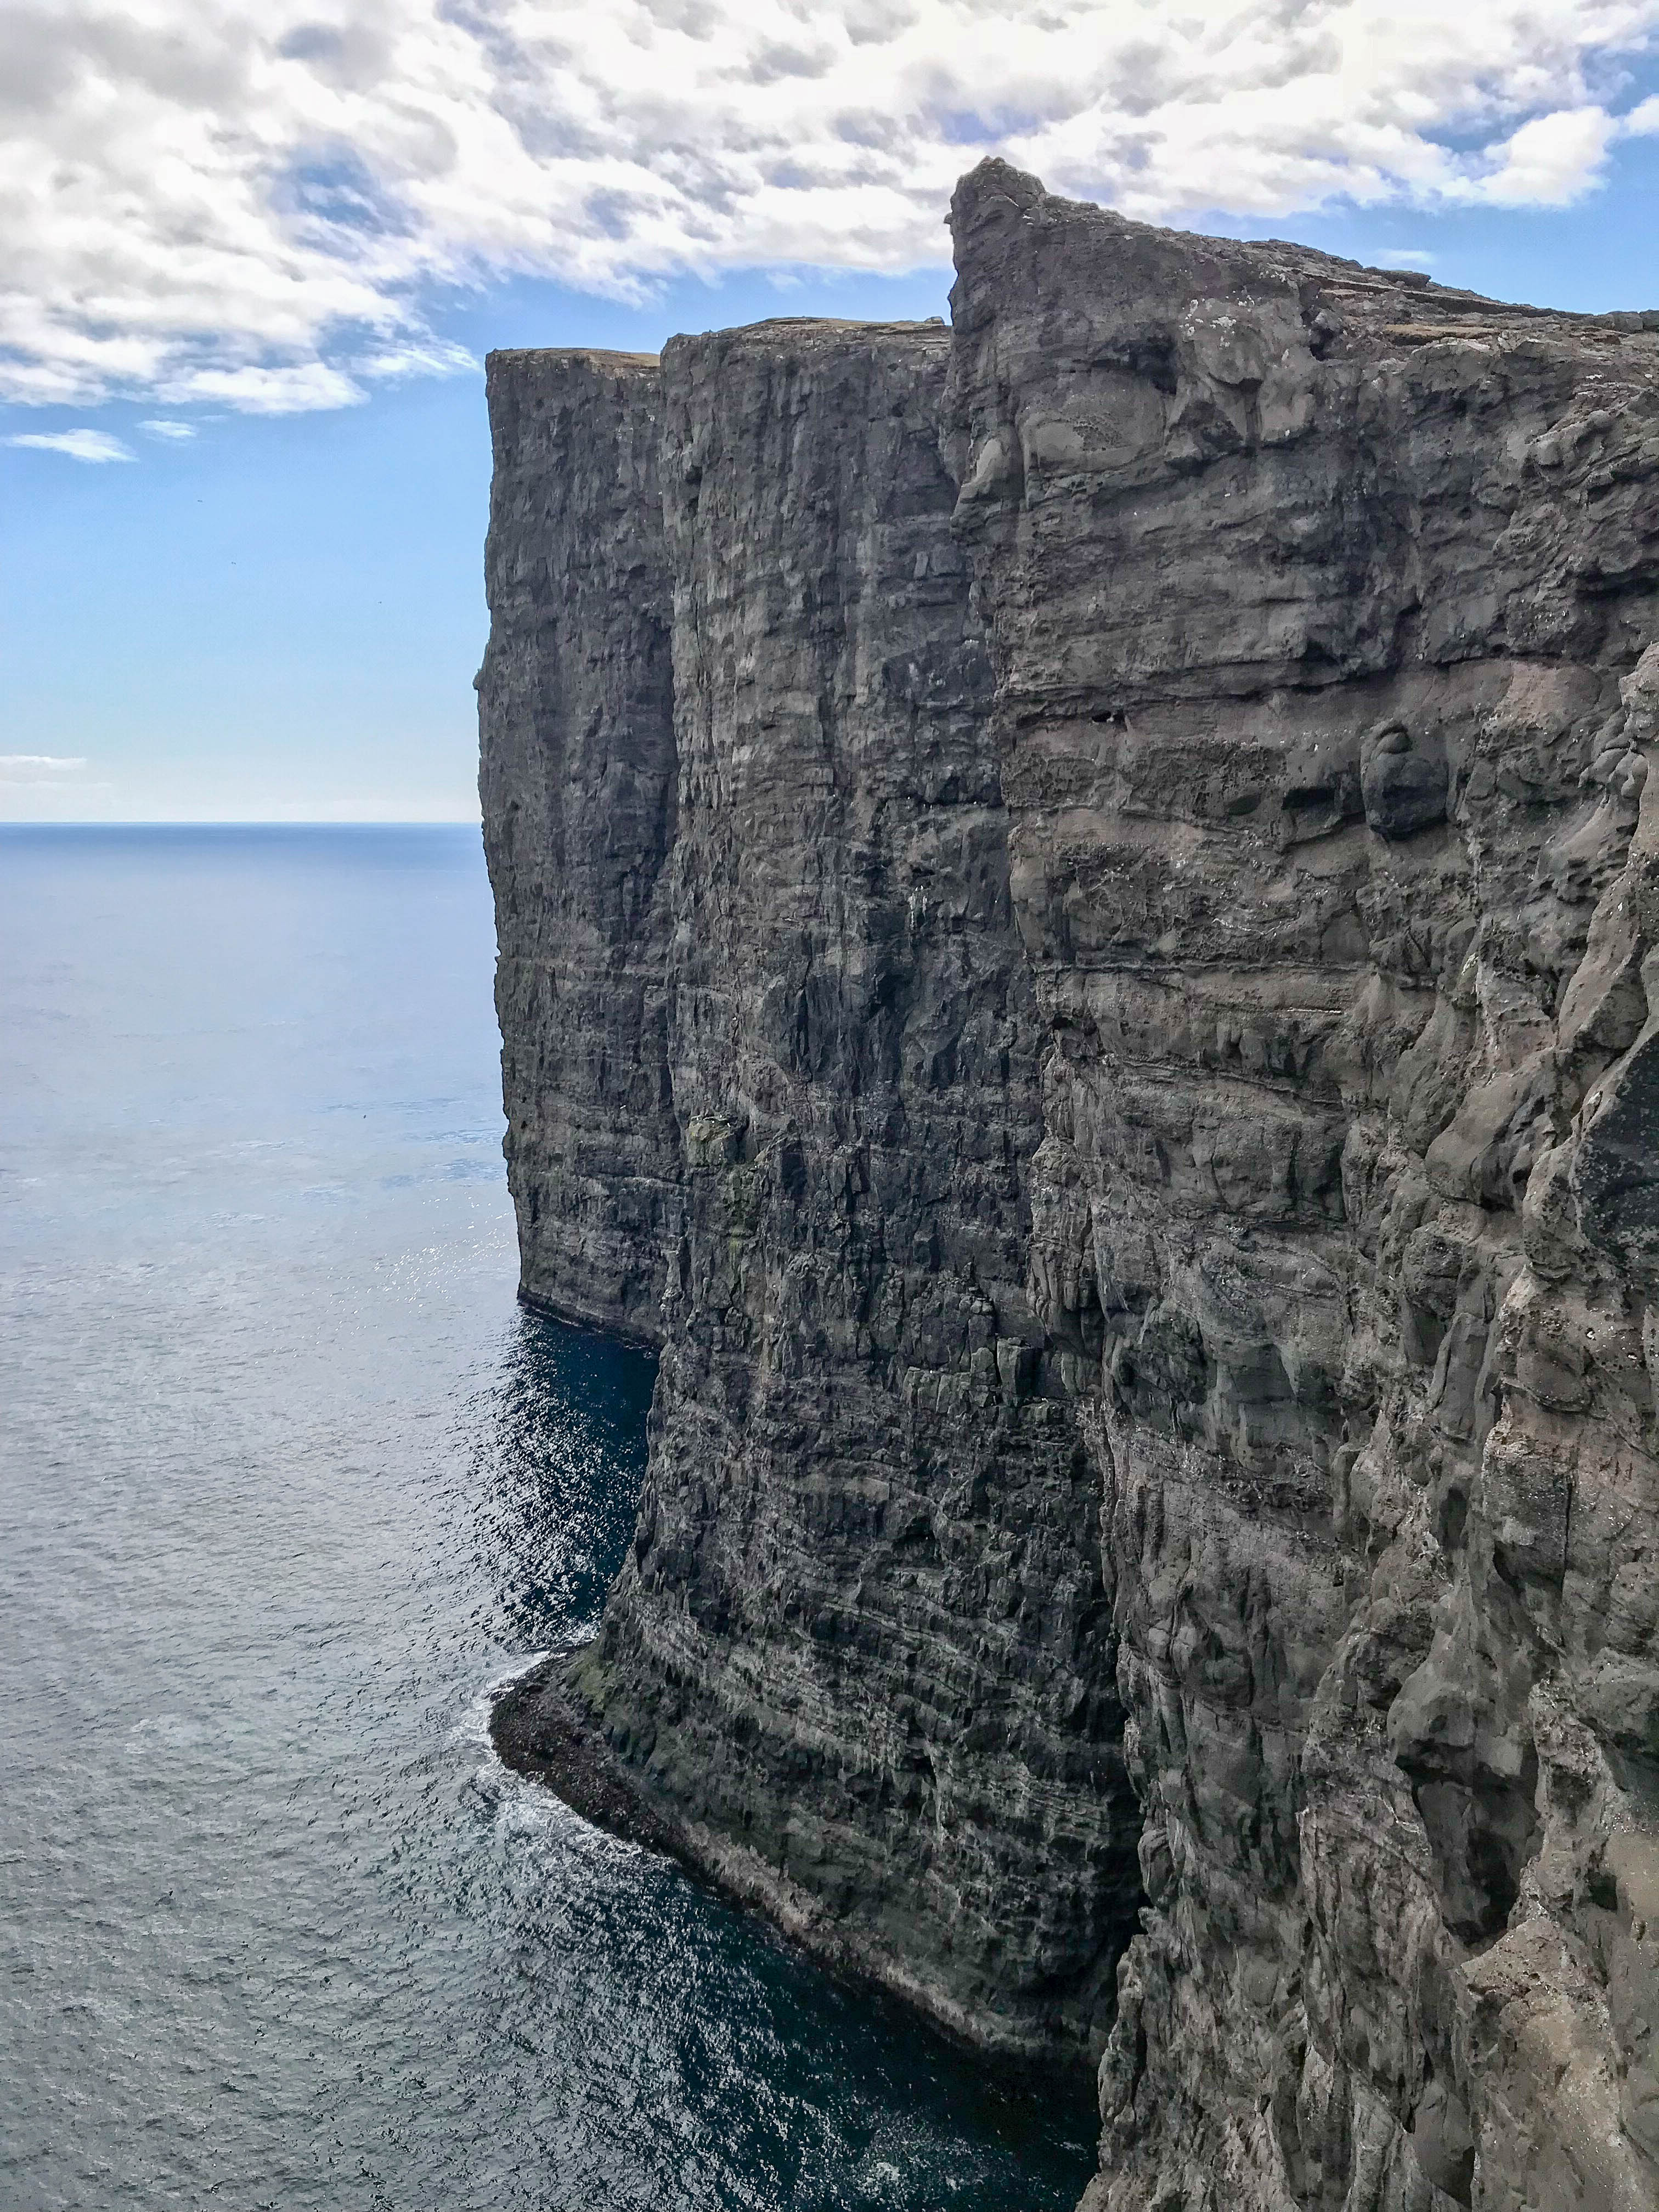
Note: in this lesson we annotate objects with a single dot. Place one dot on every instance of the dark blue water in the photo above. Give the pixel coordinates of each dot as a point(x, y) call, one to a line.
point(287, 1483)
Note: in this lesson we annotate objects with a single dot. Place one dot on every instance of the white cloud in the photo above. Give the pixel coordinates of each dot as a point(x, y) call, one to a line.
point(418, 357)
point(50, 787)
point(215, 200)
point(81, 444)
point(1552, 159)
point(265, 388)
point(175, 432)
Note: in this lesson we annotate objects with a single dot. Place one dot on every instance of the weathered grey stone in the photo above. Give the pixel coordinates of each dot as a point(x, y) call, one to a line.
point(862, 1646)
point(1156, 966)
point(578, 780)
point(1350, 1147)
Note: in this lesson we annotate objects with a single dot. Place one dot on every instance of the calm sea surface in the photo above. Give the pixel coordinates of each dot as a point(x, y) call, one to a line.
point(286, 1482)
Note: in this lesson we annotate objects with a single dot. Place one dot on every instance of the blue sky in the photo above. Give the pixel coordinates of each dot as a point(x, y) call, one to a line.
point(279, 617)
point(273, 610)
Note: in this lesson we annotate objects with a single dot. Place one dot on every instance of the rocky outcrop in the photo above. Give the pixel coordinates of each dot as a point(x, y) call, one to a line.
point(578, 780)
point(1161, 1010)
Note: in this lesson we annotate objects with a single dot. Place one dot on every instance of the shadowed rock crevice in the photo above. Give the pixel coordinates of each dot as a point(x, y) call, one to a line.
point(1133, 1072)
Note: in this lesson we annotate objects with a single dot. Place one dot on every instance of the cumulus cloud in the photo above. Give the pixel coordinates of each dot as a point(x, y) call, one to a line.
point(174, 432)
point(1552, 159)
point(81, 444)
point(208, 200)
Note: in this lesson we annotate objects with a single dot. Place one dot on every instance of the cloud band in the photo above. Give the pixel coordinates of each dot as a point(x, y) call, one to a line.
point(203, 200)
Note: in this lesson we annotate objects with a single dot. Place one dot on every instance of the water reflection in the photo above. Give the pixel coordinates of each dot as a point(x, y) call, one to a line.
point(557, 1449)
point(762, 2084)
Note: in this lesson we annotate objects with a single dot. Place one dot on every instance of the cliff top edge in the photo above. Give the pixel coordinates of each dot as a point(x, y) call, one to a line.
point(993, 202)
point(782, 330)
point(1150, 275)
point(507, 355)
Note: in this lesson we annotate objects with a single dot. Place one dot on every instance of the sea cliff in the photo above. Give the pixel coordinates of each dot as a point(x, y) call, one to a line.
point(1076, 895)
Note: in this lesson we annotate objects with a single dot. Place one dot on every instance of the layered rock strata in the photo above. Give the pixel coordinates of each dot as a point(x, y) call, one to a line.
point(578, 780)
point(861, 1648)
point(1322, 613)
point(1161, 1023)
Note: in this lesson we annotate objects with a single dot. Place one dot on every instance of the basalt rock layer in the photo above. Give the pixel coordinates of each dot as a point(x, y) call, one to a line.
point(578, 782)
point(1151, 960)
point(862, 1650)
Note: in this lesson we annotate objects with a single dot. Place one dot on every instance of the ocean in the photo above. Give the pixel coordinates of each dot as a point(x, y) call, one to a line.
point(288, 1485)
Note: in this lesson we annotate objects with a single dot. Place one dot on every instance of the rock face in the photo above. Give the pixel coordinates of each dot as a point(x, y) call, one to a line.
point(862, 1645)
point(576, 719)
point(1160, 1005)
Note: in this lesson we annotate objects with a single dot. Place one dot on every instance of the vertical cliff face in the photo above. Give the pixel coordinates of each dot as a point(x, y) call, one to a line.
point(578, 780)
point(862, 1646)
point(1320, 609)
point(1158, 1227)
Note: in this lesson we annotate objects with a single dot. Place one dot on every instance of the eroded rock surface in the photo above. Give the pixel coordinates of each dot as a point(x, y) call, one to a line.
point(862, 1647)
point(1162, 1021)
point(577, 777)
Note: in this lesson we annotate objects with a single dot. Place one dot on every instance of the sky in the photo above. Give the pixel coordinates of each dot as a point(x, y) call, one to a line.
point(251, 257)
